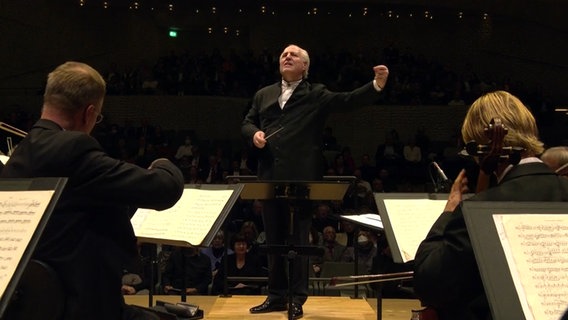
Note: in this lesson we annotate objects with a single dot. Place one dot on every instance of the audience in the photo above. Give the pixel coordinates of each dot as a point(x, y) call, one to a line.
point(187, 269)
point(240, 263)
point(421, 81)
point(216, 251)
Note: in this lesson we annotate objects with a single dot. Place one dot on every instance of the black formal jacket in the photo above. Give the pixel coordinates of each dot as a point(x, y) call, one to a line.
point(295, 152)
point(191, 270)
point(251, 268)
point(445, 271)
point(89, 237)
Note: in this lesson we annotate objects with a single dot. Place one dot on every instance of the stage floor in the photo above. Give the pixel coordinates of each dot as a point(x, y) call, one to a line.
point(316, 308)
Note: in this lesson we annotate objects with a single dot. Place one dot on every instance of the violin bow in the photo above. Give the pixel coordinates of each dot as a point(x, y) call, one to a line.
point(370, 278)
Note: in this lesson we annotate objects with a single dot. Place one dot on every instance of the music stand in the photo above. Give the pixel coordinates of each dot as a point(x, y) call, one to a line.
point(181, 231)
point(292, 191)
point(36, 198)
point(519, 248)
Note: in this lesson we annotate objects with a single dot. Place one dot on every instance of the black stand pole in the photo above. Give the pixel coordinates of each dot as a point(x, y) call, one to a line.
point(356, 259)
point(225, 274)
point(183, 283)
point(379, 301)
point(153, 262)
point(291, 256)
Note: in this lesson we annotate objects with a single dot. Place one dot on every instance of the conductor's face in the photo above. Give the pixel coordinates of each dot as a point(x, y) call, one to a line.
point(292, 63)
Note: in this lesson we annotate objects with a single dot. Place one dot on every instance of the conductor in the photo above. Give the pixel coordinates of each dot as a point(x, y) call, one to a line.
point(285, 123)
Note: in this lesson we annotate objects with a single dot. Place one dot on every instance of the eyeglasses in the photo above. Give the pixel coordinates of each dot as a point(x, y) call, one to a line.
point(100, 118)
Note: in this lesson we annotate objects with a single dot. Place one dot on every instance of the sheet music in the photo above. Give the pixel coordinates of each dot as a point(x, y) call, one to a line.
point(411, 219)
point(189, 220)
point(372, 220)
point(536, 249)
point(20, 214)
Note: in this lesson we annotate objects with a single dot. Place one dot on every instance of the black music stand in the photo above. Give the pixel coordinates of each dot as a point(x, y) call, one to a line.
point(503, 263)
point(21, 235)
point(292, 191)
point(144, 218)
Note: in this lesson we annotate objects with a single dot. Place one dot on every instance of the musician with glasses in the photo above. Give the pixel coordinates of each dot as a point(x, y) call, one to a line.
point(89, 237)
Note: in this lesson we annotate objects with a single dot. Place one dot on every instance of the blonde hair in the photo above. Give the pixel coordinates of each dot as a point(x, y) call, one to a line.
point(515, 116)
point(74, 85)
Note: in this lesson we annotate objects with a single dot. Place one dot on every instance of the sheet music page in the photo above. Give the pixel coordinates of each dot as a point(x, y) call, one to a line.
point(189, 220)
point(369, 219)
point(411, 219)
point(20, 214)
point(536, 248)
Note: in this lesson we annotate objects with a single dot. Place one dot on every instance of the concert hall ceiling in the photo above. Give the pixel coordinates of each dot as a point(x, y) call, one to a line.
point(548, 12)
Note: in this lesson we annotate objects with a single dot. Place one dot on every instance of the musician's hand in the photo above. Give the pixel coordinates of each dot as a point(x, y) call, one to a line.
point(458, 189)
point(495, 133)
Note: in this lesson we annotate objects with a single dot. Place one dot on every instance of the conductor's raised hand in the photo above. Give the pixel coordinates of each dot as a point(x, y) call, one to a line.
point(458, 189)
point(381, 75)
point(258, 139)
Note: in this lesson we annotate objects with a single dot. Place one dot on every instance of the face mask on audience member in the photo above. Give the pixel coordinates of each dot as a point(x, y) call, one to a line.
point(364, 244)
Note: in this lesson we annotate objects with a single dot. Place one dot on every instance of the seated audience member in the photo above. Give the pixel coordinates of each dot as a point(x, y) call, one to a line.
point(366, 250)
point(368, 171)
point(240, 263)
point(188, 269)
point(347, 232)
point(250, 232)
point(333, 250)
point(185, 149)
point(216, 251)
point(363, 190)
point(213, 173)
point(323, 217)
point(134, 283)
point(557, 159)
point(136, 276)
point(446, 276)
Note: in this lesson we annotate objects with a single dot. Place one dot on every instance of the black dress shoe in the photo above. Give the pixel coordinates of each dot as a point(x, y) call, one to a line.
point(297, 311)
point(269, 306)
